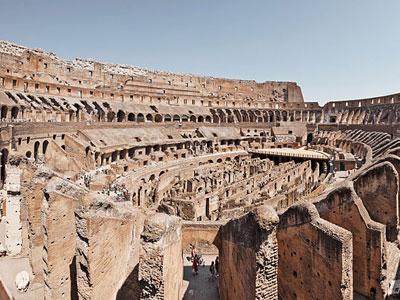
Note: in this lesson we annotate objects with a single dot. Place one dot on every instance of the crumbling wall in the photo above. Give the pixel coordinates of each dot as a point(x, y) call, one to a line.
point(34, 181)
point(343, 208)
point(107, 250)
point(13, 226)
point(378, 189)
point(249, 256)
point(161, 264)
point(58, 224)
point(58, 160)
point(201, 234)
point(315, 256)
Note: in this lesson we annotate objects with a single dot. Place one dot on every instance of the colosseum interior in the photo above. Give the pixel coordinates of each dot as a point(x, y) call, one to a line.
point(111, 174)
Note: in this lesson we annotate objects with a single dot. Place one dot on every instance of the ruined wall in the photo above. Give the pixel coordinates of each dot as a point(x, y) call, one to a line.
point(107, 250)
point(34, 182)
point(200, 234)
point(59, 242)
point(343, 208)
point(315, 256)
point(378, 189)
point(249, 256)
point(59, 161)
point(161, 263)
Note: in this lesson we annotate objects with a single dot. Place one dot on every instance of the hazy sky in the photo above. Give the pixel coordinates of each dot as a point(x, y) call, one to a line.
point(334, 49)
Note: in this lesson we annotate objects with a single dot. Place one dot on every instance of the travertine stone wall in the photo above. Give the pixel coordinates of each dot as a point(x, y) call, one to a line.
point(107, 249)
point(13, 228)
point(34, 181)
point(344, 208)
point(249, 256)
point(378, 188)
point(315, 256)
point(59, 243)
point(161, 262)
point(200, 234)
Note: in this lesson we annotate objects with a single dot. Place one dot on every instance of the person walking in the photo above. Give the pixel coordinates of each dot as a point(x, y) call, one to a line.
point(195, 266)
point(193, 252)
point(212, 271)
point(217, 266)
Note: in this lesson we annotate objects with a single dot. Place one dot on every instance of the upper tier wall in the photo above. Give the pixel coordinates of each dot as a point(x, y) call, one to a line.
point(362, 103)
point(33, 70)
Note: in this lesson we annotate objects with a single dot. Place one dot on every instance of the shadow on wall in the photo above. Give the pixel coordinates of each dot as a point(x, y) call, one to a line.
point(73, 276)
point(130, 288)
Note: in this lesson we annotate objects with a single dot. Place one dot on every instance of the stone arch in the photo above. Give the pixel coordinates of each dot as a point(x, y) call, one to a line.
point(284, 116)
point(252, 116)
point(158, 118)
point(14, 112)
point(237, 115)
point(44, 146)
point(176, 118)
point(114, 156)
point(193, 118)
point(110, 116)
point(200, 119)
point(245, 116)
point(36, 150)
point(4, 110)
point(149, 118)
point(4, 159)
point(120, 116)
point(131, 117)
point(140, 118)
point(167, 118)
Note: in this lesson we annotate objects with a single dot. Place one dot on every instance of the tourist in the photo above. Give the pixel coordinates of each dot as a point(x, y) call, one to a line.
point(195, 266)
point(193, 254)
point(217, 266)
point(212, 271)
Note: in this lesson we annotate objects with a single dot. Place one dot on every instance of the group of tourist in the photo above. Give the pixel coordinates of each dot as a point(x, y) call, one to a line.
point(197, 260)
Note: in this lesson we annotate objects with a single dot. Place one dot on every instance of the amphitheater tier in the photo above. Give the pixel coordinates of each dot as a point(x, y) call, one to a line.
point(111, 174)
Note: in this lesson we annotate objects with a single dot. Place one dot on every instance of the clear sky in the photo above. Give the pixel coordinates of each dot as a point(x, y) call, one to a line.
point(334, 49)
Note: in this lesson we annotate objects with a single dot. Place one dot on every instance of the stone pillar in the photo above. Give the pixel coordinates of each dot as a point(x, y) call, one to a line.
point(107, 250)
point(161, 262)
point(248, 253)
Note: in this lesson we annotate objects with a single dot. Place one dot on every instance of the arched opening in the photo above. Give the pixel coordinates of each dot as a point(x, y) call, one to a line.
point(245, 116)
point(208, 119)
point(140, 118)
point(114, 156)
point(44, 146)
point(200, 119)
point(14, 112)
point(176, 118)
point(284, 116)
point(193, 119)
point(4, 158)
point(120, 116)
point(110, 116)
point(36, 150)
point(167, 118)
point(185, 118)
point(28, 154)
point(149, 118)
point(309, 138)
point(87, 150)
point(131, 117)
point(4, 110)
point(158, 118)
point(122, 154)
